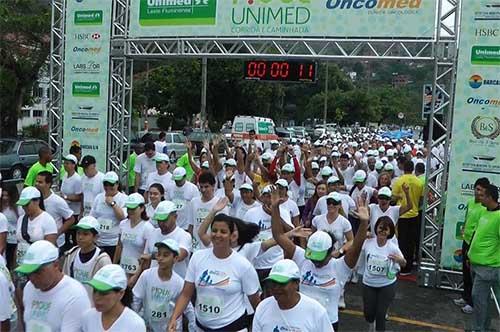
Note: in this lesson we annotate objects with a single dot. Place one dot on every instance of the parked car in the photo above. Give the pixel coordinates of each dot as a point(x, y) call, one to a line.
point(174, 139)
point(17, 155)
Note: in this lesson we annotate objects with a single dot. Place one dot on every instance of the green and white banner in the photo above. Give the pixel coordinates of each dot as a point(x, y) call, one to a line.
point(86, 77)
point(476, 120)
point(280, 18)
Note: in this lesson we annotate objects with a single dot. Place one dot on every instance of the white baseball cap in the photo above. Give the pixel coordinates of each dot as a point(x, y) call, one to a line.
point(288, 168)
point(39, 253)
point(110, 177)
point(326, 171)
point(87, 223)
point(388, 167)
point(335, 196)
point(385, 191)
point(205, 164)
point(230, 162)
point(164, 209)
point(246, 186)
point(314, 165)
point(71, 158)
point(359, 176)
point(284, 271)
point(109, 277)
point(381, 149)
point(170, 244)
point(179, 173)
point(407, 149)
point(322, 159)
point(318, 245)
point(274, 142)
point(282, 183)
point(134, 200)
point(335, 154)
point(390, 153)
point(266, 190)
point(27, 195)
point(266, 156)
point(332, 179)
point(161, 157)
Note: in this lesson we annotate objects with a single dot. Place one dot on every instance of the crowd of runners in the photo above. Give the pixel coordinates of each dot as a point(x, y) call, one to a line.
point(263, 237)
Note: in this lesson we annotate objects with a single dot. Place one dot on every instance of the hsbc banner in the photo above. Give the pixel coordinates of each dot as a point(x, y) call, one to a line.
point(476, 120)
point(86, 77)
point(280, 18)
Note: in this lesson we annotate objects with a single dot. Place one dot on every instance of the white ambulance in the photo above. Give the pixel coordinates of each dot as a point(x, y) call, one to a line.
point(264, 129)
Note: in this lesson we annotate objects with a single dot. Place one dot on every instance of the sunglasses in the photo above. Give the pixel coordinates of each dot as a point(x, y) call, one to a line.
point(332, 202)
point(385, 198)
point(108, 184)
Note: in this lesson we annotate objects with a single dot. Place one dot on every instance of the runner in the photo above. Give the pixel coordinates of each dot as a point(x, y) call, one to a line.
point(156, 195)
point(324, 272)
point(181, 192)
point(161, 175)
point(84, 260)
point(4, 228)
point(109, 210)
point(241, 201)
point(134, 230)
point(222, 279)
point(71, 191)
point(144, 164)
point(110, 314)
point(8, 207)
point(382, 261)
point(384, 207)
point(158, 288)
point(52, 301)
point(8, 309)
point(91, 183)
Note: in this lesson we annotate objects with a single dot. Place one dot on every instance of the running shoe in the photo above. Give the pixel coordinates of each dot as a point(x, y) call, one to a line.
point(467, 309)
point(460, 302)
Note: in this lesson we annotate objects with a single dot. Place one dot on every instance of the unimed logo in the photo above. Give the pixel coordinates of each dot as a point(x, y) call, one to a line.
point(88, 17)
point(86, 89)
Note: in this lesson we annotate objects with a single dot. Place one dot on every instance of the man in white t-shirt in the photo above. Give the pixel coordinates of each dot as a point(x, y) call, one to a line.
point(144, 164)
point(162, 175)
point(91, 183)
point(287, 309)
point(51, 300)
point(288, 204)
point(181, 192)
point(56, 206)
point(160, 144)
point(8, 310)
point(71, 191)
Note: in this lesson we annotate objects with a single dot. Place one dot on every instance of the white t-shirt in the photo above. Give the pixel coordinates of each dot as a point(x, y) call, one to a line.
point(108, 223)
point(376, 212)
point(294, 189)
point(182, 237)
point(12, 223)
point(83, 271)
point(58, 309)
point(58, 208)
point(240, 178)
point(4, 223)
point(221, 286)
point(339, 227)
point(372, 179)
point(199, 211)
point(239, 208)
point(133, 243)
point(144, 166)
point(159, 145)
point(8, 310)
point(377, 262)
point(323, 284)
point(348, 174)
point(292, 208)
point(91, 187)
point(158, 298)
point(357, 193)
point(164, 179)
point(182, 197)
point(38, 228)
point(128, 321)
point(258, 216)
point(347, 203)
point(72, 186)
point(307, 316)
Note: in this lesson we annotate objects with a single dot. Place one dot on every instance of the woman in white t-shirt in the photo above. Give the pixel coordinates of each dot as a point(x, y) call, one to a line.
point(384, 207)
point(323, 276)
point(382, 260)
point(8, 207)
point(222, 279)
point(109, 314)
point(156, 195)
point(134, 232)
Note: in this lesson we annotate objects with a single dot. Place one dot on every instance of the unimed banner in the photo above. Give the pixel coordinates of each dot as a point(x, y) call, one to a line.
point(86, 77)
point(475, 150)
point(279, 18)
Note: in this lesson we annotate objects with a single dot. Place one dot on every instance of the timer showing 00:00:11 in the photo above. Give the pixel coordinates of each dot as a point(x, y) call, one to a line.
point(280, 71)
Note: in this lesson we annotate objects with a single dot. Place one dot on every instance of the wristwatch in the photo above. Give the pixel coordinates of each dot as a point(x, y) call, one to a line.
point(113, 203)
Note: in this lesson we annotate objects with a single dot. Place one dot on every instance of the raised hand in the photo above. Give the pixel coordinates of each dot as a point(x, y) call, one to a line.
point(362, 212)
point(221, 204)
point(301, 232)
point(406, 188)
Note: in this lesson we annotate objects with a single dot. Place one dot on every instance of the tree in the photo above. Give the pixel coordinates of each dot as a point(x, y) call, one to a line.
point(24, 49)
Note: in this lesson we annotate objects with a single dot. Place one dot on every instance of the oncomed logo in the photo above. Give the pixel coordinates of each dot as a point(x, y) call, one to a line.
point(85, 130)
point(483, 101)
point(373, 4)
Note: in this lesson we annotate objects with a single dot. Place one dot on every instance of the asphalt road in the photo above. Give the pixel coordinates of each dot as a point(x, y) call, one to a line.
point(414, 309)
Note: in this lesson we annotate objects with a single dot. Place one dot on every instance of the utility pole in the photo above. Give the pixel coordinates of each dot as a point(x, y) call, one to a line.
point(203, 109)
point(325, 106)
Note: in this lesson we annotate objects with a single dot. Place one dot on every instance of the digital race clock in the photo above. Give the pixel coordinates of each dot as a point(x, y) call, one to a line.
point(280, 71)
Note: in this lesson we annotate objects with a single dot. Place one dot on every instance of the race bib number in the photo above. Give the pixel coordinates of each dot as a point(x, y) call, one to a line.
point(377, 265)
point(201, 214)
point(22, 247)
point(179, 203)
point(38, 326)
point(129, 264)
point(210, 306)
point(161, 311)
point(105, 225)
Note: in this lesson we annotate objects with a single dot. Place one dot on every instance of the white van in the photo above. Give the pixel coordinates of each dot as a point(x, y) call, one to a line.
point(264, 129)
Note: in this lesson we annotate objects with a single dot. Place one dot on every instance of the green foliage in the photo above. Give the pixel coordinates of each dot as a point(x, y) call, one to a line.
point(35, 131)
point(24, 48)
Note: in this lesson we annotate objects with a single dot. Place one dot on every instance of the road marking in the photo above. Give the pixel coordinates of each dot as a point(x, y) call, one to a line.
point(407, 321)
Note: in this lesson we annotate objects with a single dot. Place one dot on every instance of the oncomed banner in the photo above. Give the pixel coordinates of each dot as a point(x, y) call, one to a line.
point(86, 77)
point(476, 120)
point(280, 18)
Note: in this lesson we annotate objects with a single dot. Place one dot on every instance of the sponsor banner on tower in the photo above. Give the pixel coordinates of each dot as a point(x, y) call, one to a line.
point(476, 120)
point(279, 18)
point(86, 77)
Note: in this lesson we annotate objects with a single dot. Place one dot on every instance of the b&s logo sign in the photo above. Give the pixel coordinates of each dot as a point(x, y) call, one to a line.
point(476, 81)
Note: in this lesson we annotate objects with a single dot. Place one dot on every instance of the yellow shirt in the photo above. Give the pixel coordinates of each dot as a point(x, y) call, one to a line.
point(416, 192)
point(258, 179)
